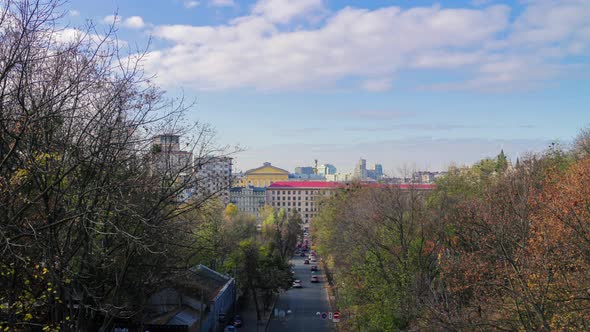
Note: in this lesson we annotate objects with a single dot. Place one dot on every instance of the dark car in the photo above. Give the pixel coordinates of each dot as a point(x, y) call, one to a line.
point(302, 254)
point(238, 321)
point(306, 261)
point(314, 267)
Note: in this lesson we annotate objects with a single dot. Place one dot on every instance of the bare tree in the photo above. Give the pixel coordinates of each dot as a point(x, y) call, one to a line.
point(86, 224)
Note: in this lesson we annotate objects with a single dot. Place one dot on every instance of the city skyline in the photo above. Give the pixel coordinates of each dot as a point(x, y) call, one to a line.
point(283, 78)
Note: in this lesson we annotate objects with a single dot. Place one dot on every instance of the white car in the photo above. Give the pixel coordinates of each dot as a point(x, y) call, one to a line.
point(297, 284)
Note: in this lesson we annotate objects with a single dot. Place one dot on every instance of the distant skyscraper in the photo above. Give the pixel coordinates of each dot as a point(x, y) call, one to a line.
point(308, 170)
point(360, 171)
point(326, 169)
point(378, 171)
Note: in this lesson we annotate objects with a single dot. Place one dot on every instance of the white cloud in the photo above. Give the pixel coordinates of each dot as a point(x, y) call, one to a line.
point(134, 22)
point(283, 11)
point(111, 19)
point(71, 35)
point(191, 4)
point(262, 51)
point(222, 3)
point(74, 12)
point(377, 85)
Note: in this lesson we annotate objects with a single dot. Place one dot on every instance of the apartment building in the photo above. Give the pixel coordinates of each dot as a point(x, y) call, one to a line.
point(301, 196)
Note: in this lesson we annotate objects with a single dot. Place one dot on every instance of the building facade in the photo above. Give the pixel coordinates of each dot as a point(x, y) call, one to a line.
point(327, 169)
point(308, 170)
point(248, 199)
point(340, 177)
point(214, 177)
point(301, 196)
point(264, 176)
point(360, 170)
point(168, 157)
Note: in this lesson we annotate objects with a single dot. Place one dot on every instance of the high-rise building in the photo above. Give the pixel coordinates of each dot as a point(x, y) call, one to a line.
point(326, 169)
point(307, 170)
point(214, 177)
point(378, 171)
point(168, 158)
point(360, 170)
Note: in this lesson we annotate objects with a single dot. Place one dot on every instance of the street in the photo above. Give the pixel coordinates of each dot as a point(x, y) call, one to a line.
point(304, 303)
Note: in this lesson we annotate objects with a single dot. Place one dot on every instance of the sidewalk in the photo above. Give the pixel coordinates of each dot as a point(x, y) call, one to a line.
point(248, 313)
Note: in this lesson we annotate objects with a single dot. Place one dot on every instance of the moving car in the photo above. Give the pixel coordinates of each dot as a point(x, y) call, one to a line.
point(315, 279)
point(297, 283)
point(306, 261)
point(314, 267)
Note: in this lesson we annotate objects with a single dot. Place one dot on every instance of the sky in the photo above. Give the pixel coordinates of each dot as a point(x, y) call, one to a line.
point(409, 84)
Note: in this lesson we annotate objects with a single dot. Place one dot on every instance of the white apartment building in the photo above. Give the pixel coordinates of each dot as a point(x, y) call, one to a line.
point(248, 199)
point(300, 196)
point(214, 177)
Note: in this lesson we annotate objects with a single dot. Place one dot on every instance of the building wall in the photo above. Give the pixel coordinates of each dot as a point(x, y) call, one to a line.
point(264, 176)
point(303, 200)
point(249, 199)
point(214, 176)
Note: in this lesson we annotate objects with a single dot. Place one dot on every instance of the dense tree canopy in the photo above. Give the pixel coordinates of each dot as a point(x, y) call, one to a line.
point(493, 247)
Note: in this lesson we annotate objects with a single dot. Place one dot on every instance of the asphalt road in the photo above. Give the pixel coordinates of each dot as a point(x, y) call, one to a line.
point(304, 303)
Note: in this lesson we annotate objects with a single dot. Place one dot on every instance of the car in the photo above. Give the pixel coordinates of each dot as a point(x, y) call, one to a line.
point(302, 254)
point(313, 260)
point(306, 261)
point(315, 279)
point(314, 267)
point(297, 284)
point(230, 328)
point(238, 321)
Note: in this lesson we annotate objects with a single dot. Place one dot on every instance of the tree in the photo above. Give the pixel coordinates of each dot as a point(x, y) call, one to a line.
point(281, 232)
point(581, 146)
point(380, 257)
point(501, 162)
point(87, 227)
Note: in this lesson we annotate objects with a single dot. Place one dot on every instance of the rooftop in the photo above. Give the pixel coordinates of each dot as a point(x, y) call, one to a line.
point(306, 184)
point(334, 185)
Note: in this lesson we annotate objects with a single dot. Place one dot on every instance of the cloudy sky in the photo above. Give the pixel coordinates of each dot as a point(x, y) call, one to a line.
point(406, 83)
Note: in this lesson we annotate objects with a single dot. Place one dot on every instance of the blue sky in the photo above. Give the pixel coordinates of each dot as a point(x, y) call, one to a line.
point(417, 84)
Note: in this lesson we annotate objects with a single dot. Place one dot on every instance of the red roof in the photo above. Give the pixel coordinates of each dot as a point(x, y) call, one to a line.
point(334, 185)
point(306, 184)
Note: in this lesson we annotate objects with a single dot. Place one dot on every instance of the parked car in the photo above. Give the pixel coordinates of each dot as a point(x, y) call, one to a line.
point(302, 254)
point(297, 284)
point(314, 267)
point(315, 279)
point(306, 261)
point(313, 260)
point(238, 321)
